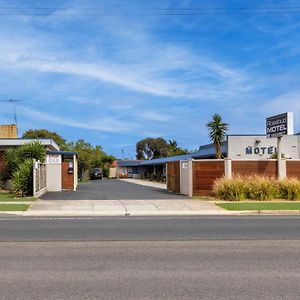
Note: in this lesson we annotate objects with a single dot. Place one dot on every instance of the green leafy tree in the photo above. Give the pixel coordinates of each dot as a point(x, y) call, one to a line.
point(90, 156)
point(151, 148)
point(174, 149)
point(217, 133)
point(46, 134)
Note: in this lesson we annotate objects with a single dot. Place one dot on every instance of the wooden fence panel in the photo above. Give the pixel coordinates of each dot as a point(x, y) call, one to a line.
point(173, 176)
point(204, 175)
point(293, 168)
point(67, 179)
point(257, 167)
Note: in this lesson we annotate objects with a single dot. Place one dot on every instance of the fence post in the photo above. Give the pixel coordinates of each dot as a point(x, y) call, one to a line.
point(228, 167)
point(34, 177)
point(281, 168)
point(190, 177)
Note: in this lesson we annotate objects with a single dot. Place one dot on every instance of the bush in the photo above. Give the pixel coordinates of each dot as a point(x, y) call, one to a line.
point(34, 150)
point(19, 166)
point(230, 189)
point(105, 172)
point(260, 188)
point(23, 179)
point(289, 189)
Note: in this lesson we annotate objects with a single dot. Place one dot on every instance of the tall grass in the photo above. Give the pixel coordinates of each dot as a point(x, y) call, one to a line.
point(256, 188)
point(260, 188)
point(289, 188)
point(230, 189)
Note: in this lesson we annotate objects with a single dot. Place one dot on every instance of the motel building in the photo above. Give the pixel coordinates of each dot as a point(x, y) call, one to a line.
point(58, 173)
point(236, 147)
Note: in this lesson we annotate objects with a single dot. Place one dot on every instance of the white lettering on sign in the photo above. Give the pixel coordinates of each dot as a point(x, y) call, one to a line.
point(53, 159)
point(280, 125)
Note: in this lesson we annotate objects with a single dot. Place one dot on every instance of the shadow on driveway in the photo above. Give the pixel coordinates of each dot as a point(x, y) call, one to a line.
point(111, 189)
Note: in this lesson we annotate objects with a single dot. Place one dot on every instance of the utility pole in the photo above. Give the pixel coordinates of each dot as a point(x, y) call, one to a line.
point(13, 102)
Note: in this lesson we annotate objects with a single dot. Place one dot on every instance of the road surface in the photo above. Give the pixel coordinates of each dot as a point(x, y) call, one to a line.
point(150, 258)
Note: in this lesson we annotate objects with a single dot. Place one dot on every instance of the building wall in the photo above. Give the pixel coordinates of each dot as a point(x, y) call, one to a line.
point(112, 172)
point(8, 131)
point(260, 147)
point(53, 176)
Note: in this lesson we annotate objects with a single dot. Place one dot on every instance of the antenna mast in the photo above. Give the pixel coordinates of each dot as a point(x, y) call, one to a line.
point(13, 102)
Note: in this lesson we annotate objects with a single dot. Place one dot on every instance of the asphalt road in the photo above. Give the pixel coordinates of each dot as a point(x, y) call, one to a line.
point(110, 189)
point(150, 258)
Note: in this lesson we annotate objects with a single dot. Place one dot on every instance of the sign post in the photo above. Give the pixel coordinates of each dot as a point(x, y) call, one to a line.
point(278, 126)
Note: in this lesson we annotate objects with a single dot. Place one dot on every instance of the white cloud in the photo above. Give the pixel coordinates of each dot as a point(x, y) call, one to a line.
point(154, 116)
point(107, 124)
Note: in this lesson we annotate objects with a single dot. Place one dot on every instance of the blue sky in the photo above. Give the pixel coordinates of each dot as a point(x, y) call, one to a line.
point(115, 72)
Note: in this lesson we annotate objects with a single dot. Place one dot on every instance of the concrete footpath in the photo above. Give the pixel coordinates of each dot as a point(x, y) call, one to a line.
point(125, 207)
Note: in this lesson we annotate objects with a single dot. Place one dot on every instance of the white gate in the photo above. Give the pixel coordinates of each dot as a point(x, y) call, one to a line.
point(39, 178)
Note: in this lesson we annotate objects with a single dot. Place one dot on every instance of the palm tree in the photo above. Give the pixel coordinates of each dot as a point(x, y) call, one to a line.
point(217, 133)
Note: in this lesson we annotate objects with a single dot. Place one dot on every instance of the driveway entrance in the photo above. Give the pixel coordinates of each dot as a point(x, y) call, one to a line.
point(111, 189)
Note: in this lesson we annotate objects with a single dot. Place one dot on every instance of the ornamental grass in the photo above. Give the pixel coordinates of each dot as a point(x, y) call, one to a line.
point(289, 188)
point(256, 188)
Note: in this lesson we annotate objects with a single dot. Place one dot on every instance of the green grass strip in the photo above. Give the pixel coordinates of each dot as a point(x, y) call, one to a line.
point(8, 197)
point(14, 207)
point(261, 205)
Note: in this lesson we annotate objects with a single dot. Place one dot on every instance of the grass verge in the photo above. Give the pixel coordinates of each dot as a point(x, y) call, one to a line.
point(8, 197)
point(260, 205)
point(14, 207)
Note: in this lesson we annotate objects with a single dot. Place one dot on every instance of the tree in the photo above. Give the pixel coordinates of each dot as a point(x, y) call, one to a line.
point(151, 148)
point(174, 149)
point(217, 133)
point(46, 134)
point(90, 156)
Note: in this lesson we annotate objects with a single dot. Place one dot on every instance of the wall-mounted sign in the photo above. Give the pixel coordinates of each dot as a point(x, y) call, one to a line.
point(260, 150)
point(53, 159)
point(280, 125)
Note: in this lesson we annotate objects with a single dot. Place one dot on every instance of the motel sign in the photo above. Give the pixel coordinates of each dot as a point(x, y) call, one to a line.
point(280, 125)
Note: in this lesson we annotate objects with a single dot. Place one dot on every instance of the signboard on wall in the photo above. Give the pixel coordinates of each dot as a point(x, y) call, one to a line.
point(53, 159)
point(279, 125)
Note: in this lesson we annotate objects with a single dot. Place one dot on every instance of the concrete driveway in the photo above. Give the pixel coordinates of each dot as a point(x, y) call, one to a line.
point(111, 189)
point(119, 198)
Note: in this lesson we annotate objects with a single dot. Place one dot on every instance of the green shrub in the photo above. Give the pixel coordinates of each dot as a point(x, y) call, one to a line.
point(260, 188)
point(34, 150)
point(289, 189)
point(230, 188)
point(105, 172)
point(19, 166)
point(23, 179)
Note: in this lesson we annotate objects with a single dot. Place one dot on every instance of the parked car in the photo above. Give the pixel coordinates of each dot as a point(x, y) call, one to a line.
point(96, 173)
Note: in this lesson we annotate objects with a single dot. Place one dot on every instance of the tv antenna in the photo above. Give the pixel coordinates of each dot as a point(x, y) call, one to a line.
point(13, 102)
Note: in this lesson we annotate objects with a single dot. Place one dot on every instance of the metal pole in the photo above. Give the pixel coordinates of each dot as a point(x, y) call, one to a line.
point(279, 173)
